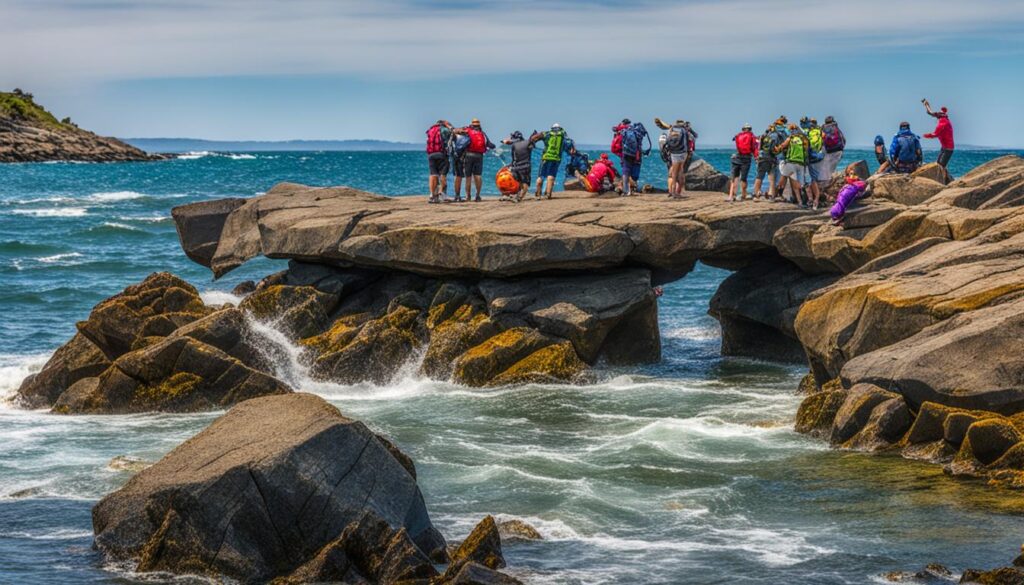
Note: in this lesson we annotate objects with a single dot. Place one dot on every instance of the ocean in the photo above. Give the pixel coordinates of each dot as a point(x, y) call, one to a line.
point(687, 471)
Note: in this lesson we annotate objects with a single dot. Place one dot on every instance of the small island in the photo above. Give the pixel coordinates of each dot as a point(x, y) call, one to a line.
point(29, 133)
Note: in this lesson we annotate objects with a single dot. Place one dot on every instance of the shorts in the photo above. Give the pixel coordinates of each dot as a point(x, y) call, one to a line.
point(522, 174)
point(457, 167)
point(830, 164)
point(549, 168)
point(741, 166)
point(631, 168)
point(792, 170)
point(438, 163)
point(473, 164)
point(679, 158)
point(944, 155)
point(766, 167)
point(816, 171)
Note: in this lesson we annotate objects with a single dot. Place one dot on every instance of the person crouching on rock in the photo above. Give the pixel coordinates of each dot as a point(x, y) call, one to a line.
point(578, 161)
point(522, 152)
point(601, 177)
point(853, 189)
point(746, 152)
point(438, 137)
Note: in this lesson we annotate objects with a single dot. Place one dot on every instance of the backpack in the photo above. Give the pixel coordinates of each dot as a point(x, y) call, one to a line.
point(632, 140)
point(833, 138)
point(435, 143)
point(768, 144)
point(461, 144)
point(797, 151)
point(678, 140)
point(553, 148)
point(617, 143)
point(477, 141)
point(909, 146)
point(816, 141)
point(744, 143)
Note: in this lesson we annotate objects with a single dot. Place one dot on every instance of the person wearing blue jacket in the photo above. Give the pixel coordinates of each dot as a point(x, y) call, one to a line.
point(905, 150)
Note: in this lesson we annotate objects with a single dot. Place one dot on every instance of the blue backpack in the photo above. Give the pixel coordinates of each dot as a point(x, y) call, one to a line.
point(632, 140)
point(909, 145)
point(461, 144)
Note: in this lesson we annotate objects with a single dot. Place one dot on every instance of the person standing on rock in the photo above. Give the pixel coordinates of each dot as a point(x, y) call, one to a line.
point(556, 142)
point(905, 150)
point(456, 151)
point(780, 137)
point(628, 145)
point(438, 137)
point(943, 131)
point(677, 143)
point(834, 142)
point(794, 151)
point(767, 165)
point(473, 160)
point(746, 152)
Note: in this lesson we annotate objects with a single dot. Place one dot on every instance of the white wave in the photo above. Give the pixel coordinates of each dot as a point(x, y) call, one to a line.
point(58, 534)
point(145, 218)
point(14, 369)
point(121, 226)
point(219, 297)
point(692, 333)
point(60, 258)
point(241, 156)
point(52, 212)
point(112, 196)
point(193, 155)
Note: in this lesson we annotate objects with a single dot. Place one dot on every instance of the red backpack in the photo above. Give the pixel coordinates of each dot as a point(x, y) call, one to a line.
point(434, 142)
point(617, 143)
point(745, 142)
point(477, 141)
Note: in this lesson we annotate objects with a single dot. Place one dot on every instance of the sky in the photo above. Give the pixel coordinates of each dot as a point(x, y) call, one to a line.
point(386, 69)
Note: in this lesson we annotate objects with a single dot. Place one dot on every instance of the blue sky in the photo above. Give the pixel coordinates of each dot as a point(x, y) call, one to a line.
point(320, 69)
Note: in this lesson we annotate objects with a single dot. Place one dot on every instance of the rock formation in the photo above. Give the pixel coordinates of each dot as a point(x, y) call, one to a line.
point(287, 490)
point(28, 133)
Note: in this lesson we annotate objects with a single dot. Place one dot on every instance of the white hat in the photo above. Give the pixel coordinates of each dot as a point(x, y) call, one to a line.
point(556, 125)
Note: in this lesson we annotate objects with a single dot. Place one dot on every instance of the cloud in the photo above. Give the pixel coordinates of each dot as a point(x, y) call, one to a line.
point(96, 41)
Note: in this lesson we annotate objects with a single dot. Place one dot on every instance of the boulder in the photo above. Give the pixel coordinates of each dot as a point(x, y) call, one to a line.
point(73, 361)
point(904, 189)
point(987, 440)
point(1001, 576)
point(298, 311)
point(757, 306)
point(856, 410)
point(518, 530)
point(888, 422)
point(483, 546)
point(176, 374)
point(484, 363)
point(199, 226)
point(609, 314)
point(934, 172)
point(155, 307)
point(818, 411)
point(476, 574)
point(265, 490)
point(701, 176)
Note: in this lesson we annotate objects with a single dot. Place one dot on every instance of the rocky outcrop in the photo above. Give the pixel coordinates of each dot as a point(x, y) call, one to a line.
point(701, 176)
point(28, 133)
point(279, 487)
point(572, 232)
point(154, 347)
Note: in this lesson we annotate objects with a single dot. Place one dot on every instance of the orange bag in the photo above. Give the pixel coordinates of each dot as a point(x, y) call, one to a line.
point(505, 182)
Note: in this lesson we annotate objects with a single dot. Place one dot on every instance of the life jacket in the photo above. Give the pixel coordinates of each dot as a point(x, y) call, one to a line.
point(678, 140)
point(632, 140)
point(435, 140)
point(477, 140)
point(816, 141)
point(909, 145)
point(745, 142)
point(553, 146)
point(833, 137)
point(797, 151)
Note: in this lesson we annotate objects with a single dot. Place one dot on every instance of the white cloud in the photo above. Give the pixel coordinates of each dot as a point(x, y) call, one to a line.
point(87, 41)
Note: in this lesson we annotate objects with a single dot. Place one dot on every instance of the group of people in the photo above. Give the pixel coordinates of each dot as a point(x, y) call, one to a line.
point(798, 158)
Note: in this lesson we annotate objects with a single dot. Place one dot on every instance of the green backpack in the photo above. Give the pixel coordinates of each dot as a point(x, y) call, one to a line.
point(797, 151)
point(553, 148)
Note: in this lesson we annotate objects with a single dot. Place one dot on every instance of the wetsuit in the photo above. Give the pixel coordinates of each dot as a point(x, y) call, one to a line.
point(522, 152)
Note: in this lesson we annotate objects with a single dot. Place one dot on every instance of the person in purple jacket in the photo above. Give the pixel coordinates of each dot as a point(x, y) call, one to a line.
point(853, 189)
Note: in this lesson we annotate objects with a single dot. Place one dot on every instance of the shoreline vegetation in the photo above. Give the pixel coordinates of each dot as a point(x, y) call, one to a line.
point(910, 317)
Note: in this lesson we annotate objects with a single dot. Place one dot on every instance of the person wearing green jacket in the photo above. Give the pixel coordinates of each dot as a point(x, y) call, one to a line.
point(556, 142)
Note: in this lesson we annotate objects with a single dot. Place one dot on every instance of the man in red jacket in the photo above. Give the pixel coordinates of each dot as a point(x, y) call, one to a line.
point(746, 152)
point(943, 131)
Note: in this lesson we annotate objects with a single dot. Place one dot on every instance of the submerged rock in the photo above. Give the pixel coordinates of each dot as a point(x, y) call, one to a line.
point(264, 491)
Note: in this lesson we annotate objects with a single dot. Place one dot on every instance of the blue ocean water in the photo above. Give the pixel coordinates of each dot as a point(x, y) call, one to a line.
point(683, 472)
